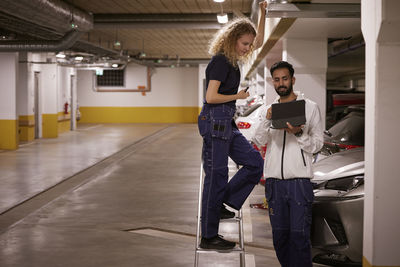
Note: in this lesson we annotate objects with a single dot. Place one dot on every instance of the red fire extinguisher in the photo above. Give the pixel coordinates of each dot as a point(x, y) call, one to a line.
point(66, 108)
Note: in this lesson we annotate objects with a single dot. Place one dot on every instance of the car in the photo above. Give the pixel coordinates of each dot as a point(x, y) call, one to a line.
point(337, 103)
point(346, 134)
point(248, 122)
point(242, 105)
point(337, 210)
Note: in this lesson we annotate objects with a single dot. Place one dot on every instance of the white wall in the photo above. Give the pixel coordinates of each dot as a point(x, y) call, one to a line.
point(8, 78)
point(202, 76)
point(64, 86)
point(22, 86)
point(170, 87)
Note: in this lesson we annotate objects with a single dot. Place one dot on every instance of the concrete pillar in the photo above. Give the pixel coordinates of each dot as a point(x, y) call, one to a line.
point(202, 80)
point(380, 27)
point(309, 58)
point(49, 88)
point(8, 110)
point(26, 118)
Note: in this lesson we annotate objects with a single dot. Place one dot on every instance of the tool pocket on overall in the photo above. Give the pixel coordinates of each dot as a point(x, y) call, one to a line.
point(221, 128)
point(203, 123)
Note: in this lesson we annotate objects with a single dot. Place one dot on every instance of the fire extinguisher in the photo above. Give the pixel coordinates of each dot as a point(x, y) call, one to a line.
point(66, 108)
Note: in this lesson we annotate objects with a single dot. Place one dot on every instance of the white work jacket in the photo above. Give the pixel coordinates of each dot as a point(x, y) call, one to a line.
point(288, 156)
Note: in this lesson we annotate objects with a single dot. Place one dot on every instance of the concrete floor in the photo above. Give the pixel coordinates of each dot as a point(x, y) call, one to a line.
point(114, 195)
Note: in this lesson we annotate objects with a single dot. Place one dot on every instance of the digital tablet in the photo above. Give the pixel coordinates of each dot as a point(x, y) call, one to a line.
point(293, 112)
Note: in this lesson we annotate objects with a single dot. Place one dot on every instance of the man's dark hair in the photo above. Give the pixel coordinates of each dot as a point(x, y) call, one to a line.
point(282, 65)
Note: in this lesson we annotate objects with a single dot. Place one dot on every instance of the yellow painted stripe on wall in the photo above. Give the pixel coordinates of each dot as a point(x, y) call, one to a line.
point(9, 134)
point(26, 127)
point(64, 122)
point(138, 114)
point(49, 125)
point(64, 126)
point(26, 133)
point(365, 263)
point(27, 119)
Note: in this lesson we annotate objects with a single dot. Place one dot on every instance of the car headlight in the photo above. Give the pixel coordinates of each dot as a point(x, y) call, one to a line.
point(343, 184)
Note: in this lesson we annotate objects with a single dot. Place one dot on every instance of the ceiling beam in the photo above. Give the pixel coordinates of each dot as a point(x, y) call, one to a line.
point(280, 29)
point(306, 10)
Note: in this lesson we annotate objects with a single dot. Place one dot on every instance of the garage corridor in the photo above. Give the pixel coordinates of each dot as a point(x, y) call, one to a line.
point(115, 195)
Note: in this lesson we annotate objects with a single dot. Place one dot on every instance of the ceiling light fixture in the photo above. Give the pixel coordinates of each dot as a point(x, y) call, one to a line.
point(219, 1)
point(222, 17)
point(115, 65)
point(60, 55)
point(142, 54)
point(78, 58)
point(282, 5)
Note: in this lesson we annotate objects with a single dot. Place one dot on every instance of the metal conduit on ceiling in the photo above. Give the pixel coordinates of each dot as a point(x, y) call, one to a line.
point(53, 16)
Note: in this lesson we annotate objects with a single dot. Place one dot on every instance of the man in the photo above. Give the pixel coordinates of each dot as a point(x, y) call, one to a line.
point(288, 170)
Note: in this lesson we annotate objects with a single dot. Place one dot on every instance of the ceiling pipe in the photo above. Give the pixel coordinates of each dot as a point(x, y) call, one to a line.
point(157, 21)
point(53, 14)
point(41, 46)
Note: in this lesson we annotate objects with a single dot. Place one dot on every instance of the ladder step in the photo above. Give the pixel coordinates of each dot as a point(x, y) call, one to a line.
point(234, 219)
point(235, 249)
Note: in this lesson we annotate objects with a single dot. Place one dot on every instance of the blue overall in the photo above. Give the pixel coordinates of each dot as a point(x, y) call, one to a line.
point(222, 139)
point(289, 204)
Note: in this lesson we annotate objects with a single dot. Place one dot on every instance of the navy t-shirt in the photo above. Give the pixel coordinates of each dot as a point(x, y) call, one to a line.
point(220, 69)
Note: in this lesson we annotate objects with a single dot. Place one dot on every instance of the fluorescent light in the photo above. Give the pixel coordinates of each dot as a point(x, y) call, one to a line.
point(219, 1)
point(78, 58)
point(99, 72)
point(59, 55)
point(222, 18)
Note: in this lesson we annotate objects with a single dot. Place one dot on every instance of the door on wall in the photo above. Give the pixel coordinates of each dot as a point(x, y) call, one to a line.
point(36, 105)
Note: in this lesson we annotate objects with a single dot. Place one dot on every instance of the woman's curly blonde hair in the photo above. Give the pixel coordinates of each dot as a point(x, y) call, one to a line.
point(224, 41)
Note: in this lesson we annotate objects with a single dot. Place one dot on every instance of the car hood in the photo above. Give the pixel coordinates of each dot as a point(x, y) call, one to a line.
point(342, 164)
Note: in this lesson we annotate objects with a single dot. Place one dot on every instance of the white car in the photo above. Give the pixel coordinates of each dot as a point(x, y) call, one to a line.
point(248, 122)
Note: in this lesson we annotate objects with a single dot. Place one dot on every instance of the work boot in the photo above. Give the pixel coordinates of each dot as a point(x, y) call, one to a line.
point(225, 213)
point(217, 243)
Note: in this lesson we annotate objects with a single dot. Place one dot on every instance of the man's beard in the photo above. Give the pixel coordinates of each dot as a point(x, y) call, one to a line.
point(285, 92)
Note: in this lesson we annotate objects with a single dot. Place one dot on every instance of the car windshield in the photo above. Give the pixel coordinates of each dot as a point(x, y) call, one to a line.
point(251, 109)
point(350, 129)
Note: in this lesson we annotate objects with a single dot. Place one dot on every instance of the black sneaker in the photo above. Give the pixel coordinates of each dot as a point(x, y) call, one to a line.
point(217, 243)
point(225, 213)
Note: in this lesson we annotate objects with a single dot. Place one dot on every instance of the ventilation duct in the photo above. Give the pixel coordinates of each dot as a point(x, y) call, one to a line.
point(50, 14)
point(41, 46)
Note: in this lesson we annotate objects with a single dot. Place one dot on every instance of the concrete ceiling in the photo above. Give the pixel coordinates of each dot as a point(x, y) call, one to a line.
point(175, 29)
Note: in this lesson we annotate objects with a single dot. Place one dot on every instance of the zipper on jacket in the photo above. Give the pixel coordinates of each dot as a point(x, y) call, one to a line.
point(304, 160)
point(283, 153)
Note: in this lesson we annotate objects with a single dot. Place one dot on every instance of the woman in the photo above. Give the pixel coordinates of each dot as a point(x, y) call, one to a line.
point(221, 138)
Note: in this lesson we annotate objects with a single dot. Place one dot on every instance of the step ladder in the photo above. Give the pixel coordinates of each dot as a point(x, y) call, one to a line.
point(238, 219)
